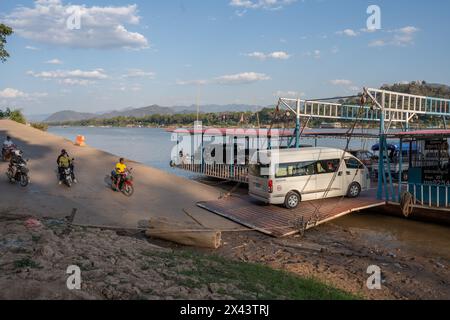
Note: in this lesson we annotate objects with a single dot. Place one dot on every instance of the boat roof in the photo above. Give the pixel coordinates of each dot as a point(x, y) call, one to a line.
point(424, 134)
point(302, 150)
point(254, 132)
point(243, 132)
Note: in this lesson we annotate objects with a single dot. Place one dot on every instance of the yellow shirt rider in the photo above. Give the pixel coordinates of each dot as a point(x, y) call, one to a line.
point(121, 168)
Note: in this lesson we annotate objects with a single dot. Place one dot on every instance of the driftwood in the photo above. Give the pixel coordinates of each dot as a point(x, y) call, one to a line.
point(183, 233)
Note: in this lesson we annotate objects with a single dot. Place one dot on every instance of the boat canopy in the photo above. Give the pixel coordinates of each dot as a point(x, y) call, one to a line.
point(396, 147)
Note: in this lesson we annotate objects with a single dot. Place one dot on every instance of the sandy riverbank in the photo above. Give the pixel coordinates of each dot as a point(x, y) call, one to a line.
point(158, 194)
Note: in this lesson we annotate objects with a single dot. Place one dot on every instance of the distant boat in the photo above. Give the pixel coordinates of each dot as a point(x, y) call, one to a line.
point(332, 125)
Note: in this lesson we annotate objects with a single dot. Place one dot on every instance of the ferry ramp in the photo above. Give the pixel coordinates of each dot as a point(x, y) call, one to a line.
point(278, 221)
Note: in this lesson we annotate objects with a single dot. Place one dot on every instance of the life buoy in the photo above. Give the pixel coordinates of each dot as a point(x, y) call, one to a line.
point(80, 141)
point(407, 204)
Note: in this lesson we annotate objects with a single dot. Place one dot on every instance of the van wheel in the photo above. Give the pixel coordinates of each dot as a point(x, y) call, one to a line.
point(354, 190)
point(292, 200)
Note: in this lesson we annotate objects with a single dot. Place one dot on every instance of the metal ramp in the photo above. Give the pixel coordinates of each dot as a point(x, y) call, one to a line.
point(278, 222)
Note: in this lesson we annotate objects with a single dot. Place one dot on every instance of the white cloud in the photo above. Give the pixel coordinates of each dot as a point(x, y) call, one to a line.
point(261, 4)
point(277, 55)
point(192, 82)
point(377, 43)
point(138, 73)
point(348, 33)
point(404, 36)
point(76, 82)
point(341, 82)
point(101, 27)
point(232, 79)
point(31, 48)
point(242, 78)
point(289, 94)
point(400, 37)
point(10, 93)
point(408, 30)
point(345, 83)
point(54, 61)
point(316, 54)
point(257, 55)
point(71, 77)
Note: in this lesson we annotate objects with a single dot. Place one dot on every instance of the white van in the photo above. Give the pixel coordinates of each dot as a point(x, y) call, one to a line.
point(291, 176)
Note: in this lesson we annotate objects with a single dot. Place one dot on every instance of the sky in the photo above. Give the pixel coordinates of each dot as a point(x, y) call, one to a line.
point(102, 55)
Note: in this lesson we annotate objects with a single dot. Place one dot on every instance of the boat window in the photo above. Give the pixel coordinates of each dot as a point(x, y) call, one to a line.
point(353, 163)
point(296, 169)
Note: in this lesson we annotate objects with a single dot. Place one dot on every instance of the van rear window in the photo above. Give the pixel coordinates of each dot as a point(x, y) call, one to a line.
point(259, 170)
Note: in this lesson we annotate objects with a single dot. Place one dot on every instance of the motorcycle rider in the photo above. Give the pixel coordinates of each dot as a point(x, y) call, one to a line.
point(64, 161)
point(7, 143)
point(16, 160)
point(119, 171)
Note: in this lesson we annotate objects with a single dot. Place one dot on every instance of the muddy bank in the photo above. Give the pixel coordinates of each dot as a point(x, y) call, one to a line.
point(35, 255)
point(340, 256)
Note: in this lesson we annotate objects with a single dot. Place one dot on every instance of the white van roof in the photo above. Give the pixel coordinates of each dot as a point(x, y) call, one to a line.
point(286, 155)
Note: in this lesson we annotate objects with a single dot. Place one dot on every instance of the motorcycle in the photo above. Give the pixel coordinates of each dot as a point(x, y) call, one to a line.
point(125, 185)
point(20, 175)
point(66, 175)
point(7, 152)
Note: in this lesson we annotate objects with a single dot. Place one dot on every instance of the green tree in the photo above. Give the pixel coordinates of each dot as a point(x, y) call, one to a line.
point(5, 31)
point(17, 116)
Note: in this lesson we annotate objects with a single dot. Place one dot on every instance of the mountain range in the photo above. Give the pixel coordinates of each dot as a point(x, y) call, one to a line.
point(69, 115)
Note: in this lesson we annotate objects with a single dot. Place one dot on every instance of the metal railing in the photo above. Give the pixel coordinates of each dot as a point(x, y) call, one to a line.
point(435, 196)
point(237, 173)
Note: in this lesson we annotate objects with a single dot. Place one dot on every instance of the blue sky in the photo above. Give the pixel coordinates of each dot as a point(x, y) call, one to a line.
point(137, 53)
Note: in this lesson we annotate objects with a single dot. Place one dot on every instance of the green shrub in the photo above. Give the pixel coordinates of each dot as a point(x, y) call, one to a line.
point(40, 126)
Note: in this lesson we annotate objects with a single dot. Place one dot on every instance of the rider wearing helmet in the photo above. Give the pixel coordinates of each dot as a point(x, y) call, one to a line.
point(16, 159)
point(64, 161)
point(119, 171)
point(7, 143)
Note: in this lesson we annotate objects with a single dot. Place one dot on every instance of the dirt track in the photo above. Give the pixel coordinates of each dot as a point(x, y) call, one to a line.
point(158, 194)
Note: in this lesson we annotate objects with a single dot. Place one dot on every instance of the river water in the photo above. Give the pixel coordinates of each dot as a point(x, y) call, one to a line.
point(153, 147)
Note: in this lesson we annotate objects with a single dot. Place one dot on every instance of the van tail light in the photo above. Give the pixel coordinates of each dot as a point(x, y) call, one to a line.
point(270, 186)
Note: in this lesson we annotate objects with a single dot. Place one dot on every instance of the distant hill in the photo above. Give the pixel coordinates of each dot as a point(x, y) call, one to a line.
point(421, 88)
point(137, 113)
point(68, 115)
point(216, 108)
point(37, 117)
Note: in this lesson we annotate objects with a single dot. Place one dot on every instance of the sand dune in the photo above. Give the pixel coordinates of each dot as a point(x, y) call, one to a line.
point(158, 194)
